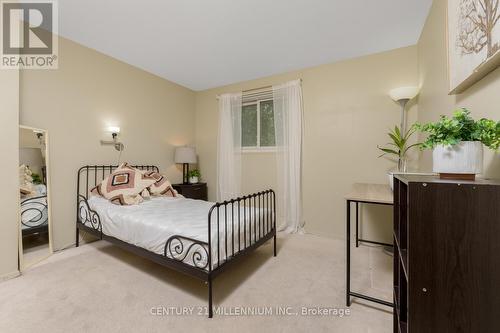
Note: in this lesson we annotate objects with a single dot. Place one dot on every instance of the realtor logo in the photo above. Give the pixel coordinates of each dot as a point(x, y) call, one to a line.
point(29, 34)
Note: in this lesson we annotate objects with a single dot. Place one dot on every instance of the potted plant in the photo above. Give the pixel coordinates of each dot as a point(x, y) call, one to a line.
point(36, 179)
point(194, 176)
point(457, 144)
point(399, 147)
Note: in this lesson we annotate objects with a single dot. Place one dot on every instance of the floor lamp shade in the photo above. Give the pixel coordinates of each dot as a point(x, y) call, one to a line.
point(185, 156)
point(403, 93)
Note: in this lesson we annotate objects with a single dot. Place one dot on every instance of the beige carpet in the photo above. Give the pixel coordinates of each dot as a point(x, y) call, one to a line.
point(35, 249)
point(101, 288)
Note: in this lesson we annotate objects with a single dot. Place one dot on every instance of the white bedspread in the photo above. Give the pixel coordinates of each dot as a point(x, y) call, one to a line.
point(150, 224)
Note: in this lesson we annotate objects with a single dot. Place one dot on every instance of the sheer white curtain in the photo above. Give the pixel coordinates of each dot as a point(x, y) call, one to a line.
point(288, 123)
point(229, 147)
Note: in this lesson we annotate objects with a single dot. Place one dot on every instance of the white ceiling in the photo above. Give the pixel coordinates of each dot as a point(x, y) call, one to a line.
point(202, 44)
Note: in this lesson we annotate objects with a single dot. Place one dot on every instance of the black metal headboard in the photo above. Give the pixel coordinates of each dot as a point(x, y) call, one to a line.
point(91, 175)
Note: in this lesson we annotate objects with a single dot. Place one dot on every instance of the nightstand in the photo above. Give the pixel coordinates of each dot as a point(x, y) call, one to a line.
point(192, 191)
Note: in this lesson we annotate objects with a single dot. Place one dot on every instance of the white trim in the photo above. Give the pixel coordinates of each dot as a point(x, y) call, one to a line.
point(9, 276)
point(258, 123)
point(253, 150)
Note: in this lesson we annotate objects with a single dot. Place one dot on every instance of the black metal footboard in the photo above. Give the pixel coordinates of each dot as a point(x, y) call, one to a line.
point(246, 223)
point(239, 224)
point(39, 223)
point(235, 228)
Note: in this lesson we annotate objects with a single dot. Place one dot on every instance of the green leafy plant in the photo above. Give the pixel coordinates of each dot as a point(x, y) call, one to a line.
point(461, 127)
point(36, 178)
point(194, 173)
point(399, 146)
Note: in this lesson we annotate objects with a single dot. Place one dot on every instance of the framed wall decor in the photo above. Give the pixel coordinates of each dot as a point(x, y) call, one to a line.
point(473, 41)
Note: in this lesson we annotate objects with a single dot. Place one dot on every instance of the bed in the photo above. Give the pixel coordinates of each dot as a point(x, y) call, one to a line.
point(195, 237)
point(34, 212)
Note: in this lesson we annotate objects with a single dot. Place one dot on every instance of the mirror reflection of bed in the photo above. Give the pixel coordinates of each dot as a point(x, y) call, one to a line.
point(34, 234)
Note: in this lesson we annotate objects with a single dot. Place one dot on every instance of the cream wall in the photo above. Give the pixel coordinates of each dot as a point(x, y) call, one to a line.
point(347, 113)
point(30, 150)
point(9, 195)
point(483, 99)
point(28, 139)
point(32, 157)
point(76, 103)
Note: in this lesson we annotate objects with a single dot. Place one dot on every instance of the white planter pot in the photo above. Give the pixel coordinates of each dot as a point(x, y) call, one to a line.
point(463, 158)
point(193, 180)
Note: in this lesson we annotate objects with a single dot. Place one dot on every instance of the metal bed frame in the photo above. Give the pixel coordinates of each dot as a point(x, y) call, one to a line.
point(179, 250)
point(38, 224)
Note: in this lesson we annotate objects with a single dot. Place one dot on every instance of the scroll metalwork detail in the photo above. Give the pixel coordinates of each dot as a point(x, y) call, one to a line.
point(35, 207)
point(87, 216)
point(187, 250)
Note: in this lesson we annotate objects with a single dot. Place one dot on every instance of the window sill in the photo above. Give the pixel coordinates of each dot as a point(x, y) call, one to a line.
point(258, 150)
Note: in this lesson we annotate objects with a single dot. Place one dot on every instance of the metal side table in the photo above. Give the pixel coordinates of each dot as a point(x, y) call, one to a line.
point(375, 194)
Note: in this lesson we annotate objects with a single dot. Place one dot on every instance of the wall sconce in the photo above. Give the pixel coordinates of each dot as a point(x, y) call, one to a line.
point(39, 135)
point(114, 134)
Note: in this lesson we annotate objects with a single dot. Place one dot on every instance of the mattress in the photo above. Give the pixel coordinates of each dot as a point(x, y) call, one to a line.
point(150, 224)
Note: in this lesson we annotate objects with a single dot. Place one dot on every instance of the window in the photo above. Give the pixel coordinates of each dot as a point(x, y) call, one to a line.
point(257, 126)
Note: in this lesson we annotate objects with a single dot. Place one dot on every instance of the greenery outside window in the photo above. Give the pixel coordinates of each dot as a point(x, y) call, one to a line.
point(257, 126)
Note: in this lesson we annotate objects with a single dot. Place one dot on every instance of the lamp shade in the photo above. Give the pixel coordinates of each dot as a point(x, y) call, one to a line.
point(403, 93)
point(185, 155)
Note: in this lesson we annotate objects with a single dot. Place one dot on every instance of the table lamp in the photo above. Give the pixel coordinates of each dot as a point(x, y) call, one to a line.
point(185, 156)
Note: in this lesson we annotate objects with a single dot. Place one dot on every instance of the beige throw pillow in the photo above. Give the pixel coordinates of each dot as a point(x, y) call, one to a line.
point(124, 185)
point(161, 187)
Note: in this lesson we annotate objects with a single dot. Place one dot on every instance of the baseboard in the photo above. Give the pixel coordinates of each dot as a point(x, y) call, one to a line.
point(9, 276)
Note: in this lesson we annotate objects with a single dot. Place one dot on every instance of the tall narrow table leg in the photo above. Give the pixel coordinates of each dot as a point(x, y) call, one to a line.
point(348, 252)
point(357, 225)
point(77, 240)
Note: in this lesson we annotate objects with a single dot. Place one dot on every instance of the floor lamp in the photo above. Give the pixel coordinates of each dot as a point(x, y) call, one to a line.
point(403, 95)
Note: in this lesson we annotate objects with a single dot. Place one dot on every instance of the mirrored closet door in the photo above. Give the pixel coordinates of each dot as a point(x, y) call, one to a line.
point(35, 239)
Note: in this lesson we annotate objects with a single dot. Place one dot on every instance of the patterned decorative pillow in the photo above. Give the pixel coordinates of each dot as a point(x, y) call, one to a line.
point(145, 194)
point(25, 180)
point(124, 186)
point(162, 186)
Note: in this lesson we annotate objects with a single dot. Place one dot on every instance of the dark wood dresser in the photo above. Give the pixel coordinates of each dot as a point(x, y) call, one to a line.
point(447, 255)
point(192, 191)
